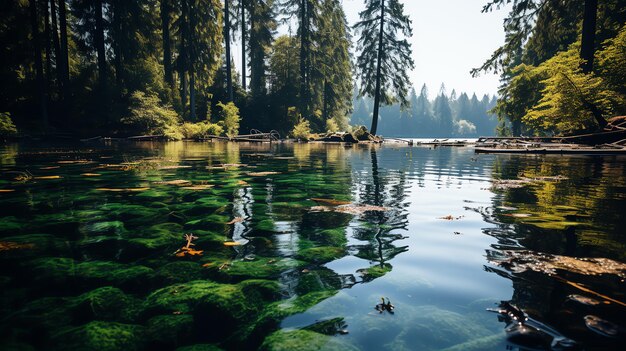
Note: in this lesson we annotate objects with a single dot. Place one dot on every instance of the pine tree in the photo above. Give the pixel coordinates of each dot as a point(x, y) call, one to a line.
point(387, 80)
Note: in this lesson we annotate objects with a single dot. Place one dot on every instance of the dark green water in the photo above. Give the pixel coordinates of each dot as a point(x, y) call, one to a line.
point(89, 236)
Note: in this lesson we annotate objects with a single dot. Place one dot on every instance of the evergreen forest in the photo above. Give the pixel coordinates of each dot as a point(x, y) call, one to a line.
point(166, 67)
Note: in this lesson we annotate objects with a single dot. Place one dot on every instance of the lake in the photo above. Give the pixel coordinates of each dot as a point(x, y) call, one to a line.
point(307, 246)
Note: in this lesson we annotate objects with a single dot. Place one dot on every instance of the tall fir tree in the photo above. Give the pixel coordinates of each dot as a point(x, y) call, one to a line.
point(384, 54)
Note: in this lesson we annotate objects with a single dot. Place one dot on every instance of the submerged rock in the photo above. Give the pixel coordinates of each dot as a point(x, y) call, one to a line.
point(105, 304)
point(169, 331)
point(321, 254)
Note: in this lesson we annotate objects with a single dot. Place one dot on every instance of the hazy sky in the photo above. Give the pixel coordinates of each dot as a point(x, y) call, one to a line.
point(450, 37)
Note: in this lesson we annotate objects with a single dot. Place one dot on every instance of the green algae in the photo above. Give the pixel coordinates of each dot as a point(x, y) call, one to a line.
point(102, 336)
point(105, 304)
point(199, 347)
point(169, 331)
point(256, 268)
point(375, 272)
point(321, 254)
point(304, 340)
point(179, 272)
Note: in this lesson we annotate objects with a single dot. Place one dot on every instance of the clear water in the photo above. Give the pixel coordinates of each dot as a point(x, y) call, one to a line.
point(446, 246)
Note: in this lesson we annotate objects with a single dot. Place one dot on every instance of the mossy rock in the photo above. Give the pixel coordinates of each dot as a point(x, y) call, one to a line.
point(321, 254)
point(199, 347)
point(259, 268)
point(10, 225)
point(332, 237)
point(113, 228)
point(318, 280)
point(304, 340)
point(101, 336)
point(42, 316)
point(274, 313)
point(154, 195)
point(59, 271)
point(159, 236)
point(105, 304)
point(168, 331)
point(374, 272)
point(213, 222)
point(179, 272)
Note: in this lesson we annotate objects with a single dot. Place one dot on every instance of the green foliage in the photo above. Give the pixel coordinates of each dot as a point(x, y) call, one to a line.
point(200, 130)
point(7, 128)
point(567, 92)
point(332, 126)
point(229, 118)
point(302, 130)
point(396, 51)
point(149, 115)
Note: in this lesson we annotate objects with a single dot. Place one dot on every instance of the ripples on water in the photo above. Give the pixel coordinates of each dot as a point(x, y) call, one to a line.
point(111, 218)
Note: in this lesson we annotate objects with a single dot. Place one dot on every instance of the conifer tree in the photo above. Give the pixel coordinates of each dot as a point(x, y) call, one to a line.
point(384, 54)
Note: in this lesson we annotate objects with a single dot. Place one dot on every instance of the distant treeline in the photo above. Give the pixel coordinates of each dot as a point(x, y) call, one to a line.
point(446, 116)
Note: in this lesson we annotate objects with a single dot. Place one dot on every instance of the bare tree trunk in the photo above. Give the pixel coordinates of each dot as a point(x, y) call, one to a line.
point(378, 68)
point(40, 82)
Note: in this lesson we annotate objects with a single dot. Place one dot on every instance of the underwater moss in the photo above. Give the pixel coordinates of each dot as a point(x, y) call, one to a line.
point(101, 336)
point(169, 331)
point(199, 347)
point(304, 340)
point(321, 254)
point(105, 304)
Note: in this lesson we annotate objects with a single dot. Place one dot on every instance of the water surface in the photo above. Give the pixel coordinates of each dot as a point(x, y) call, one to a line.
point(92, 235)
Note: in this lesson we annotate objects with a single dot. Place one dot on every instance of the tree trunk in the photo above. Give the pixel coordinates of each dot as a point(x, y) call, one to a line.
point(303, 58)
point(40, 82)
point(243, 44)
point(64, 56)
point(47, 37)
point(167, 51)
point(118, 9)
point(378, 68)
point(587, 47)
point(57, 47)
point(182, 56)
point(229, 77)
point(99, 42)
point(192, 96)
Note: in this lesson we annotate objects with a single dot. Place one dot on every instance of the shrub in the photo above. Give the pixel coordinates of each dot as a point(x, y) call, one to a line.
point(332, 126)
point(7, 128)
point(229, 115)
point(302, 130)
point(200, 130)
point(149, 115)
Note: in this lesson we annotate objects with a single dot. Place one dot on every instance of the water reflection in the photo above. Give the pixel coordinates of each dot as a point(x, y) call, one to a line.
point(101, 223)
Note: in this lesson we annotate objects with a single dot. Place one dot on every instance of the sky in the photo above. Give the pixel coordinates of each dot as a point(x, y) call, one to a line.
point(450, 37)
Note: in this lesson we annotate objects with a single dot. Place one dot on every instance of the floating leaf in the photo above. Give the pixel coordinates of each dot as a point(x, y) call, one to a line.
point(6, 190)
point(232, 243)
point(69, 162)
point(198, 187)
point(9, 245)
point(49, 167)
point(123, 190)
point(261, 174)
point(235, 220)
point(451, 218)
point(601, 326)
point(331, 202)
point(233, 165)
point(173, 167)
point(48, 177)
point(188, 251)
point(523, 260)
point(353, 209)
point(177, 182)
point(91, 174)
point(242, 183)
